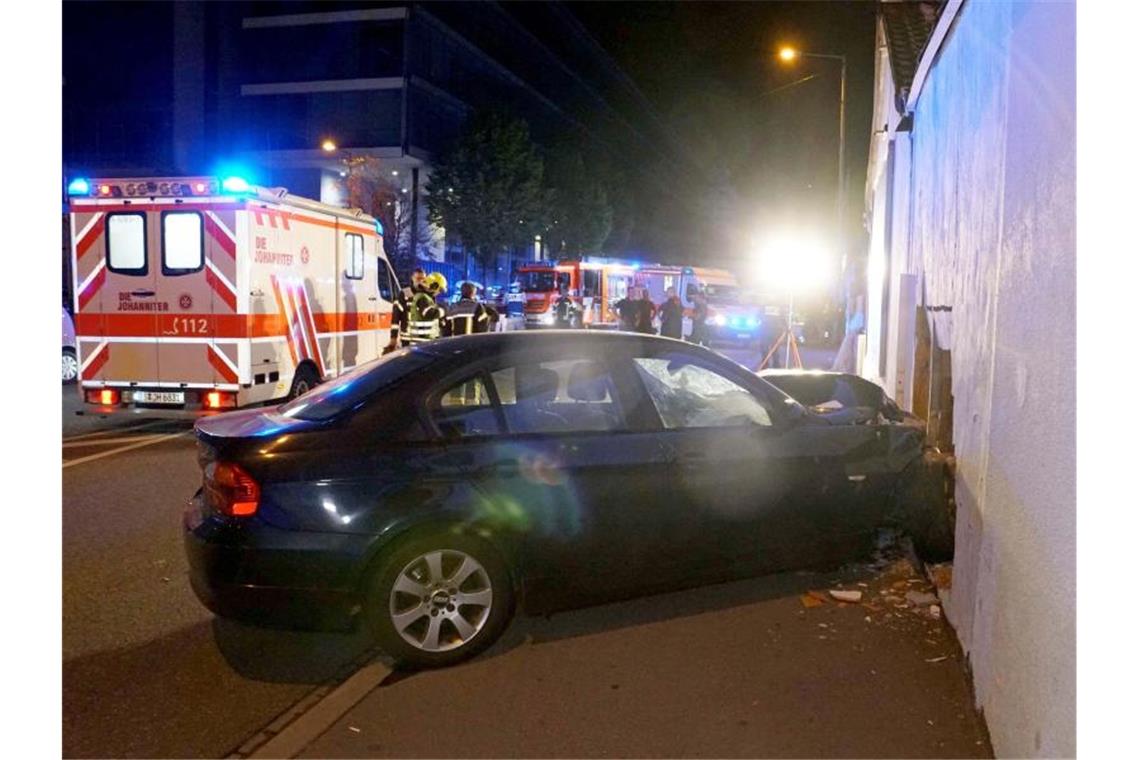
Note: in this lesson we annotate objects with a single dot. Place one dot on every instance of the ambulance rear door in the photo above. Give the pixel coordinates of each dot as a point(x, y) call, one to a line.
point(197, 295)
point(127, 299)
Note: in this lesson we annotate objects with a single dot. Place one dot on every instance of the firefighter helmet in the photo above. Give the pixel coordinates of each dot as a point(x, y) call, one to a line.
point(436, 283)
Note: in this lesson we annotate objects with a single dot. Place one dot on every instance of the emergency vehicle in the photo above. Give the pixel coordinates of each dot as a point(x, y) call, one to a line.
point(593, 284)
point(194, 294)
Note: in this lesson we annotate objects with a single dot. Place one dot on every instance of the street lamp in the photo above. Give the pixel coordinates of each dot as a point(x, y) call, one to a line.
point(788, 54)
point(328, 146)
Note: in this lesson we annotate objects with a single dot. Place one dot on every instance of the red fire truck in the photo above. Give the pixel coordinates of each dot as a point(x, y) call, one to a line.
point(194, 294)
point(595, 285)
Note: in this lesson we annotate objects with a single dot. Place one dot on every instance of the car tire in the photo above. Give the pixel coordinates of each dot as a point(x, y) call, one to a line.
point(404, 623)
point(304, 380)
point(70, 366)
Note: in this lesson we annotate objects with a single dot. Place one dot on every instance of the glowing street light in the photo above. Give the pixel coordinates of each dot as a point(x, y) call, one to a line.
point(328, 146)
point(796, 263)
point(787, 54)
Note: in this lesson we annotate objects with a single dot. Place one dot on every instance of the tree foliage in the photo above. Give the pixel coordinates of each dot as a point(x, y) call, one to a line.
point(488, 188)
point(582, 215)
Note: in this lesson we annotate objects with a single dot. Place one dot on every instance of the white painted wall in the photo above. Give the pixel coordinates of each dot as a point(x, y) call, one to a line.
point(991, 211)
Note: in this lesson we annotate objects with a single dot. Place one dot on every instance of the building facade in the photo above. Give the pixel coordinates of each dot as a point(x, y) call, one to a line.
point(259, 87)
point(971, 322)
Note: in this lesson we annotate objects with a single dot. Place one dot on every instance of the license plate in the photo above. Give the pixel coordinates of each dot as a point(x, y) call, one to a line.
point(160, 397)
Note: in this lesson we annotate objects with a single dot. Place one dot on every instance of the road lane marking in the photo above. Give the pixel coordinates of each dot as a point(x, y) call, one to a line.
point(124, 429)
point(314, 721)
point(101, 454)
point(105, 441)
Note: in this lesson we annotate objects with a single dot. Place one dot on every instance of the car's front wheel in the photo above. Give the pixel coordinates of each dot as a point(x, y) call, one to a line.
point(440, 600)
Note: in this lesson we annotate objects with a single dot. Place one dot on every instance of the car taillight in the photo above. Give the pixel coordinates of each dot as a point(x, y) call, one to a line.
point(220, 400)
point(105, 396)
point(231, 490)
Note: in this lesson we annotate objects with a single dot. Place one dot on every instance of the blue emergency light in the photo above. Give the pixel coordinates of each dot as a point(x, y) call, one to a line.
point(379, 228)
point(235, 185)
point(79, 186)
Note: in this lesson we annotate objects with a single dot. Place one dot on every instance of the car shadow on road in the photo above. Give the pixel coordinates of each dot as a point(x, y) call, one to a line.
point(289, 656)
point(586, 621)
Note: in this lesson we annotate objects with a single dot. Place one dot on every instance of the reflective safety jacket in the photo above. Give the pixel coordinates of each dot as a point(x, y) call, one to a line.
point(468, 316)
point(417, 317)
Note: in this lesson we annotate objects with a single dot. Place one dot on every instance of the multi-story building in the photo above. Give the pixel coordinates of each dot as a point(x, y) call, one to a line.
point(263, 85)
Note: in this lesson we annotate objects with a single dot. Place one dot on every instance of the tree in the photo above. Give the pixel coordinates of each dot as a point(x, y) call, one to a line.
point(488, 188)
point(368, 187)
point(580, 204)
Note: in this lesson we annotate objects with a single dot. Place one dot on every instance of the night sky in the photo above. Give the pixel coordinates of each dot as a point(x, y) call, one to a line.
point(709, 69)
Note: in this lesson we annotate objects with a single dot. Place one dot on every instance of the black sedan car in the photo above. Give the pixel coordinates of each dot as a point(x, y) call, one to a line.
point(428, 493)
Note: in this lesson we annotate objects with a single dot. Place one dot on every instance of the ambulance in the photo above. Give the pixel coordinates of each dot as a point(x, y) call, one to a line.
point(199, 294)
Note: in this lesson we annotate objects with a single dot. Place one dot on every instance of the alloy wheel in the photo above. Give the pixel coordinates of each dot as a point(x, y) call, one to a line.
point(70, 367)
point(440, 600)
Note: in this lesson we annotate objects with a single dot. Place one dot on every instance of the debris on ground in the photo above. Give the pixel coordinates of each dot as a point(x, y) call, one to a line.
point(938, 659)
point(354, 729)
point(921, 598)
point(846, 596)
point(809, 601)
point(935, 611)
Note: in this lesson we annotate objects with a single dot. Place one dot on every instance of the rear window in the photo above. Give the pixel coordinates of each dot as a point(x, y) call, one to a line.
point(182, 249)
point(330, 399)
point(126, 243)
point(354, 246)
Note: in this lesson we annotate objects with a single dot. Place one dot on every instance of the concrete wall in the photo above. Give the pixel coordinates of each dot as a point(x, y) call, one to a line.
point(992, 220)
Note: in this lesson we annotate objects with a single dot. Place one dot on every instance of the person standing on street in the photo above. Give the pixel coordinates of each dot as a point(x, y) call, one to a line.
point(416, 317)
point(402, 307)
point(700, 331)
point(564, 310)
point(626, 310)
point(672, 314)
point(645, 313)
point(467, 315)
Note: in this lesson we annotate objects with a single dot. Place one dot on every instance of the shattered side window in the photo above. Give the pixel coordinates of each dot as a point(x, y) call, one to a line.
point(687, 395)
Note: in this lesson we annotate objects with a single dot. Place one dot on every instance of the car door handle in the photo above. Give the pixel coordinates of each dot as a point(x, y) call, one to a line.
point(142, 293)
point(371, 298)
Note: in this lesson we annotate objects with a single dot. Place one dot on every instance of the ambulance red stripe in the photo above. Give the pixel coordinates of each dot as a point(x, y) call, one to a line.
point(83, 245)
point(125, 325)
point(221, 289)
point(296, 324)
point(92, 288)
point(219, 236)
point(284, 317)
point(95, 363)
point(310, 326)
point(220, 365)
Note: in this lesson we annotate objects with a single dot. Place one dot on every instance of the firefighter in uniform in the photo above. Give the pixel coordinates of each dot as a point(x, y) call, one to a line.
point(415, 316)
point(564, 310)
point(467, 315)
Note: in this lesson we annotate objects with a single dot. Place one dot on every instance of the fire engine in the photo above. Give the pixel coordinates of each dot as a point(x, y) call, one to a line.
point(194, 294)
point(594, 284)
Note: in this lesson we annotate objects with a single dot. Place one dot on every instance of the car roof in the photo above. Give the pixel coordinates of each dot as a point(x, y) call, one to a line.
point(522, 340)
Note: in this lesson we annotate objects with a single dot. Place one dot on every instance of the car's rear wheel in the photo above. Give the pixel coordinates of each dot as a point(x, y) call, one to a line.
point(304, 380)
point(70, 365)
point(439, 600)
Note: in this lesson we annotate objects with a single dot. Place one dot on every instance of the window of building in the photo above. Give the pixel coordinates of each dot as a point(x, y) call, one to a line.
point(126, 243)
point(182, 242)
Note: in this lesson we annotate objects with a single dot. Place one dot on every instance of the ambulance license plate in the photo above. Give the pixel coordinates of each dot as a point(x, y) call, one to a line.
point(160, 397)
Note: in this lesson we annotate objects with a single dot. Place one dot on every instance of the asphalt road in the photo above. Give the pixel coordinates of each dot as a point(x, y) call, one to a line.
point(148, 672)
